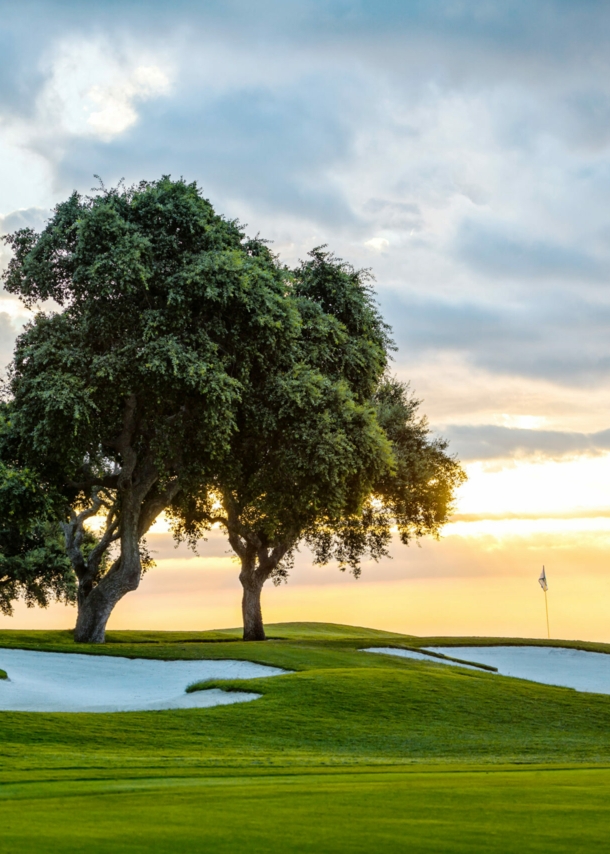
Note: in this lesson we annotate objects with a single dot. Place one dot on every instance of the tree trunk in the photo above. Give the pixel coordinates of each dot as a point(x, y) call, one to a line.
point(258, 563)
point(93, 614)
point(96, 605)
point(251, 606)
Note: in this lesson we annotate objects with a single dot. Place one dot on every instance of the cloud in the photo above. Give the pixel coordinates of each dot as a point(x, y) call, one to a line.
point(35, 218)
point(558, 334)
point(13, 315)
point(7, 340)
point(377, 244)
point(93, 90)
point(399, 216)
point(460, 149)
point(115, 103)
point(28, 218)
point(490, 441)
point(497, 251)
point(271, 150)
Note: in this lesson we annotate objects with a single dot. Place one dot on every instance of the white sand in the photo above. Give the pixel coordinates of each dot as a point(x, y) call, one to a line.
point(567, 668)
point(58, 682)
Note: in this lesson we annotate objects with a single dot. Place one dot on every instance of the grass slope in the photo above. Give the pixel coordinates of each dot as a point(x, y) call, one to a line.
point(350, 751)
point(338, 706)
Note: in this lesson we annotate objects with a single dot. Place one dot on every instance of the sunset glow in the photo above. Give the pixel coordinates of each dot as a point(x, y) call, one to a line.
point(476, 194)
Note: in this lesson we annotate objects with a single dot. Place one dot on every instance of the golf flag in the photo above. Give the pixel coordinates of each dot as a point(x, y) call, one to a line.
point(542, 580)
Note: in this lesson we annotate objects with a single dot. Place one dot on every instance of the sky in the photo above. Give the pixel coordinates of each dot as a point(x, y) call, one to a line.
point(461, 151)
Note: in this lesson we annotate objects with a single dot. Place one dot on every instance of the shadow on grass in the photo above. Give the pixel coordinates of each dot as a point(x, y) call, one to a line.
point(232, 685)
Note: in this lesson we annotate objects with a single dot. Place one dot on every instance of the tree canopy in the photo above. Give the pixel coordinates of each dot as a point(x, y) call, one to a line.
point(184, 369)
point(127, 393)
point(328, 450)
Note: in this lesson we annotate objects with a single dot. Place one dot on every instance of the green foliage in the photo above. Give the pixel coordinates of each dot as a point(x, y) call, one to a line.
point(343, 331)
point(421, 488)
point(308, 445)
point(161, 298)
point(329, 449)
point(127, 395)
point(3, 674)
point(33, 560)
point(413, 494)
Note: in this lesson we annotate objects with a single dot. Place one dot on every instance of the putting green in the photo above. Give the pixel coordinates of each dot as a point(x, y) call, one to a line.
point(350, 751)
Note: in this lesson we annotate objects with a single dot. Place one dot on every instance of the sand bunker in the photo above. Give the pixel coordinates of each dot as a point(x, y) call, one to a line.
point(567, 668)
point(58, 682)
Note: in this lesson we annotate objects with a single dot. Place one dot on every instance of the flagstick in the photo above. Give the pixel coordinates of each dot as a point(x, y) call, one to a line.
point(546, 604)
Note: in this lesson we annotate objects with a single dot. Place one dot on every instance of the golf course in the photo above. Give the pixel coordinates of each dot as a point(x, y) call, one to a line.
point(304, 427)
point(344, 751)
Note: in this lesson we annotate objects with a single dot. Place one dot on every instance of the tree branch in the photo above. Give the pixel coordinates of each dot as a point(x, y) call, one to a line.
point(156, 505)
point(74, 532)
point(107, 481)
point(123, 441)
point(109, 536)
point(268, 560)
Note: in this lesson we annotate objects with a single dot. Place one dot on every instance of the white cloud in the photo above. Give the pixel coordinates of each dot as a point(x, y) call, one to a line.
point(93, 91)
point(116, 103)
point(377, 244)
point(521, 422)
point(25, 175)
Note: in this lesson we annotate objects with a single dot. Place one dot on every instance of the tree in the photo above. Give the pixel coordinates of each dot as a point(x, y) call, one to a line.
point(125, 398)
point(329, 450)
point(186, 370)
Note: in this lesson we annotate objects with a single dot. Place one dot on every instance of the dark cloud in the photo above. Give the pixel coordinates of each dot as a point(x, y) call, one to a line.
point(447, 41)
point(553, 334)
point(550, 25)
point(487, 442)
point(498, 252)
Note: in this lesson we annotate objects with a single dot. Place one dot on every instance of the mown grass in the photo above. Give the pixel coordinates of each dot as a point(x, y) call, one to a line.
point(361, 812)
point(331, 758)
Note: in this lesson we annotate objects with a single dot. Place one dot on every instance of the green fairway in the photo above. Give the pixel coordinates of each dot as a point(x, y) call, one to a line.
point(349, 751)
point(365, 811)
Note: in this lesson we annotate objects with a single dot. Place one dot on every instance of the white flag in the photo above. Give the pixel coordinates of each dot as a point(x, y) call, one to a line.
point(542, 580)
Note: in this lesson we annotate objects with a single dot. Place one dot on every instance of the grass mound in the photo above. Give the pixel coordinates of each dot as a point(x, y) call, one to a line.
point(338, 706)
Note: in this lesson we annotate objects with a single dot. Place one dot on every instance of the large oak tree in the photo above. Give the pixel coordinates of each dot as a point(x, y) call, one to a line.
point(125, 394)
point(184, 369)
point(329, 450)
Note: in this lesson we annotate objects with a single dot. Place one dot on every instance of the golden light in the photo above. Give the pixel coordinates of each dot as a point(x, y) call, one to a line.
point(541, 487)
